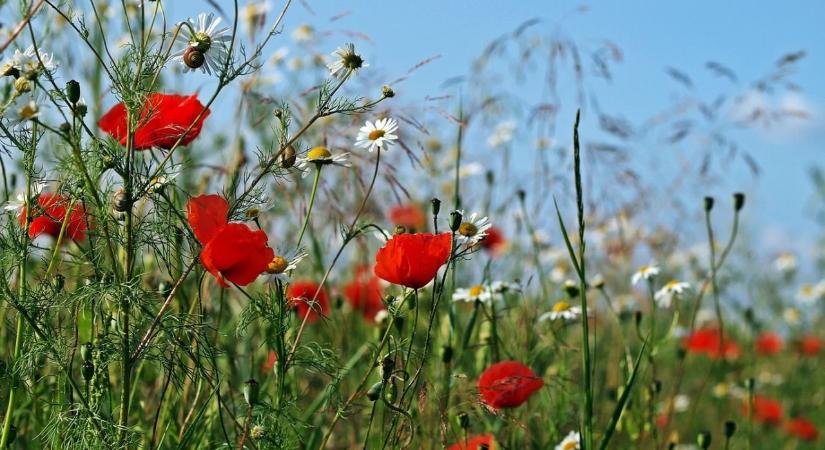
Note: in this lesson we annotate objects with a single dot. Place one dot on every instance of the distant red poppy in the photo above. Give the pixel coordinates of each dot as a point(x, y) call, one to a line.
point(475, 443)
point(809, 345)
point(237, 253)
point(507, 384)
point(364, 293)
point(408, 216)
point(765, 410)
point(708, 341)
point(494, 241)
point(163, 120)
point(802, 428)
point(207, 214)
point(768, 343)
point(50, 216)
point(269, 365)
point(412, 260)
point(300, 293)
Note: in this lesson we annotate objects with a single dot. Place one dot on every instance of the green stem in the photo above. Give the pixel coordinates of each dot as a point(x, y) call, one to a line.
point(311, 203)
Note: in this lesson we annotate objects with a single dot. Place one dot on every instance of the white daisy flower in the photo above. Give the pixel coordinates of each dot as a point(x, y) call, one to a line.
point(254, 14)
point(19, 202)
point(205, 46)
point(784, 263)
point(303, 33)
point(377, 135)
point(681, 403)
point(470, 170)
point(561, 310)
point(472, 230)
point(23, 113)
point(645, 273)
point(570, 442)
point(159, 182)
point(321, 156)
point(502, 134)
point(281, 265)
point(810, 293)
point(501, 287)
point(346, 60)
point(664, 296)
point(477, 292)
point(26, 62)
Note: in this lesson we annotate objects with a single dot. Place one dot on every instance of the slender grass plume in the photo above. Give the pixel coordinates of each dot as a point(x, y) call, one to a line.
point(225, 230)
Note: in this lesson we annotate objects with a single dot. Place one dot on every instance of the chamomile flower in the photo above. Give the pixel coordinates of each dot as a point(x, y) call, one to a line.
point(810, 293)
point(27, 63)
point(784, 263)
point(25, 112)
point(377, 135)
point(346, 61)
point(645, 273)
point(561, 310)
point(303, 33)
point(321, 156)
point(570, 442)
point(664, 296)
point(159, 182)
point(472, 294)
point(254, 15)
point(502, 287)
point(281, 265)
point(205, 46)
point(19, 202)
point(502, 134)
point(472, 230)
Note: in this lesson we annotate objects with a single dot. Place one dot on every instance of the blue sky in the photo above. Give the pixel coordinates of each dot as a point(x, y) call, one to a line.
point(746, 36)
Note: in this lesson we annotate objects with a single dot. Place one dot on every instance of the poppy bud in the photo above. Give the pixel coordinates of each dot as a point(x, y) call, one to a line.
point(750, 383)
point(250, 392)
point(703, 439)
point(12, 436)
point(521, 194)
point(490, 176)
point(455, 220)
point(59, 282)
point(738, 201)
point(387, 366)
point(638, 317)
point(681, 353)
point(730, 428)
point(72, 91)
point(464, 421)
point(399, 229)
point(193, 58)
point(571, 289)
point(88, 370)
point(436, 203)
point(375, 391)
point(446, 354)
point(86, 351)
point(387, 92)
point(120, 201)
point(288, 157)
point(656, 387)
point(708, 203)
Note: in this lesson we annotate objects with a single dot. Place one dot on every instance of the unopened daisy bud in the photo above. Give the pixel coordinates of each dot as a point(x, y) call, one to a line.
point(571, 289)
point(730, 428)
point(252, 213)
point(88, 370)
point(375, 391)
point(72, 91)
point(738, 201)
point(455, 220)
point(399, 229)
point(703, 439)
point(8, 70)
point(436, 204)
point(22, 85)
point(708, 203)
point(464, 421)
point(86, 351)
point(387, 92)
point(250, 392)
point(288, 157)
point(446, 354)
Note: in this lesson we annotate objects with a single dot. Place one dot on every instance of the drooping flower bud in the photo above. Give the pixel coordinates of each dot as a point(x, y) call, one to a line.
point(738, 201)
point(86, 351)
point(375, 391)
point(250, 392)
point(464, 420)
point(72, 91)
point(88, 371)
point(387, 92)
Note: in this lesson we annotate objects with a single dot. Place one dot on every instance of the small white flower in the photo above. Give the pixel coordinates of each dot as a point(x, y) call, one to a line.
point(664, 296)
point(501, 287)
point(470, 169)
point(784, 263)
point(346, 60)
point(570, 442)
point(681, 403)
point(159, 182)
point(281, 265)
point(254, 14)
point(381, 316)
point(205, 46)
point(25, 112)
point(502, 134)
point(477, 292)
point(562, 310)
point(303, 33)
point(19, 202)
point(321, 156)
point(26, 62)
point(473, 229)
point(810, 293)
point(377, 135)
point(645, 273)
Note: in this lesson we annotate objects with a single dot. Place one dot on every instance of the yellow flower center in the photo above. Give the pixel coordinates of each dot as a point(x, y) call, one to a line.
point(561, 306)
point(467, 229)
point(570, 445)
point(318, 153)
point(28, 112)
point(643, 269)
point(475, 291)
point(277, 265)
point(671, 284)
point(375, 134)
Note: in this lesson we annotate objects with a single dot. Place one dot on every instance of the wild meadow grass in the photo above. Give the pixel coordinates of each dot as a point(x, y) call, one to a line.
point(206, 244)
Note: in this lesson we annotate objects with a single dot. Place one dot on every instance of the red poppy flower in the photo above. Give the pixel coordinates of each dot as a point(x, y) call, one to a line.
point(50, 216)
point(709, 341)
point(766, 410)
point(364, 294)
point(768, 343)
point(163, 120)
point(412, 260)
point(494, 241)
point(802, 428)
point(809, 345)
point(408, 216)
point(301, 293)
point(507, 384)
point(271, 359)
point(236, 253)
point(207, 214)
point(475, 443)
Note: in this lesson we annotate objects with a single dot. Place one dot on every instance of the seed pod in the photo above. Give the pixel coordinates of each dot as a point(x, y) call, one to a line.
point(446, 354)
point(375, 391)
point(436, 203)
point(193, 58)
point(738, 201)
point(455, 220)
point(708, 203)
point(730, 428)
point(250, 392)
point(288, 157)
point(72, 91)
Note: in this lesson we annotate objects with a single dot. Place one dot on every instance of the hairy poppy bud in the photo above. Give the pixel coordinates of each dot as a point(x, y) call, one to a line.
point(288, 157)
point(88, 370)
point(375, 391)
point(703, 439)
point(455, 220)
point(730, 428)
point(446, 354)
point(250, 392)
point(86, 351)
point(387, 92)
point(193, 58)
point(436, 203)
point(464, 421)
point(656, 387)
point(750, 383)
point(571, 289)
point(387, 366)
point(738, 201)
point(708, 203)
point(72, 91)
